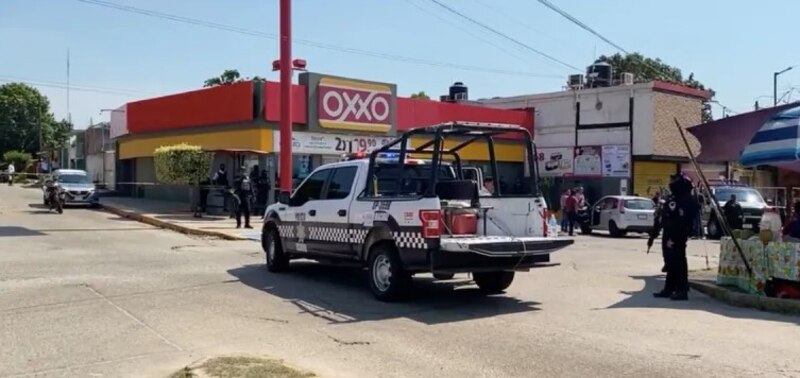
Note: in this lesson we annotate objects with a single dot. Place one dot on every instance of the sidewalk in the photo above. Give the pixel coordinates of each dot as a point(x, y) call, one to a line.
point(177, 217)
point(706, 283)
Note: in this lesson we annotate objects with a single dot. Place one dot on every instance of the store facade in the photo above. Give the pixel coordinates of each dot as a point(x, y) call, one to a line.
point(332, 116)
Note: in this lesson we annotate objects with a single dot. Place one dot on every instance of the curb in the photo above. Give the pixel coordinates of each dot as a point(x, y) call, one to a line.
point(169, 226)
point(777, 305)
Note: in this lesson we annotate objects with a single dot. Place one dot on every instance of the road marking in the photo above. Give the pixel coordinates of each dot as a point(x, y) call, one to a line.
point(134, 318)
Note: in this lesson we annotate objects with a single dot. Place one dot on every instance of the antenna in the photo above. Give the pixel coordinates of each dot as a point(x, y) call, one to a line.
point(69, 115)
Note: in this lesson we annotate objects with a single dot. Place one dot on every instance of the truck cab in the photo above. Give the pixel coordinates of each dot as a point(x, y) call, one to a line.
point(404, 211)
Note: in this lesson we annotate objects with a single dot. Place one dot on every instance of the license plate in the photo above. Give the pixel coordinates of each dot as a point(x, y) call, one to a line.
point(642, 216)
point(747, 225)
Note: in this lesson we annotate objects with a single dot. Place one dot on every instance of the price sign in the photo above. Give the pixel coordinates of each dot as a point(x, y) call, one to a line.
point(332, 144)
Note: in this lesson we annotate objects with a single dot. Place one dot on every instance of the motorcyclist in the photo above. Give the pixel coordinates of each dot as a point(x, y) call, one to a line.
point(675, 217)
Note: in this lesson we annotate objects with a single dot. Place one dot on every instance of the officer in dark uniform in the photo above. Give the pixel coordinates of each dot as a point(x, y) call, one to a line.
point(675, 217)
point(243, 190)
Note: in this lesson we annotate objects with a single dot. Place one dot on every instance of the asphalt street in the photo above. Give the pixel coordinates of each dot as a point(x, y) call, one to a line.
point(87, 293)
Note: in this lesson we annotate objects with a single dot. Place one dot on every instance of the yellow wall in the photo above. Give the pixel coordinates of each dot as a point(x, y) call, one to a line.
point(252, 139)
point(504, 151)
point(651, 176)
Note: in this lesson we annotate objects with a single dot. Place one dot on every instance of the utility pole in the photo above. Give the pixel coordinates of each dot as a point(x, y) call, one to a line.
point(775, 84)
point(286, 95)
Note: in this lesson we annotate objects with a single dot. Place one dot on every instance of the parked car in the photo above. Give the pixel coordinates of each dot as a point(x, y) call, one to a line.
point(77, 187)
point(621, 215)
point(753, 206)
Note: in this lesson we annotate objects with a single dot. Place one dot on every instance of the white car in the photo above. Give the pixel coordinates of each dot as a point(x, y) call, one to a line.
point(620, 215)
point(77, 187)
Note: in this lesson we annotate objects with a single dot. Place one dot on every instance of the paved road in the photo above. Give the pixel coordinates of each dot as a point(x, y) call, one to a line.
point(88, 294)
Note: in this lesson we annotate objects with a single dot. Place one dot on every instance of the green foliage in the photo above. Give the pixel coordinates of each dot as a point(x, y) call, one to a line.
point(647, 69)
point(21, 160)
point(420, 95)
point(182, 164)
point(230, 77)
point(23, 113)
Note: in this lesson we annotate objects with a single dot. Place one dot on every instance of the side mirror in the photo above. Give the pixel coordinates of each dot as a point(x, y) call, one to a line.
point(283, 197)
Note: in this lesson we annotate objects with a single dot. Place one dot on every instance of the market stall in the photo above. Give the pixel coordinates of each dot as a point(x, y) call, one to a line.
point(776, 259)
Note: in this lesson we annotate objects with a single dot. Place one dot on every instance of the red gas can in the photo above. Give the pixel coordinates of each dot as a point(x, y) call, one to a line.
point(462, 222)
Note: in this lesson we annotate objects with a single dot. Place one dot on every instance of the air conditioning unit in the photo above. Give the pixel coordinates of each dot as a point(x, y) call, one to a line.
point(626, 78)
point(575, 81)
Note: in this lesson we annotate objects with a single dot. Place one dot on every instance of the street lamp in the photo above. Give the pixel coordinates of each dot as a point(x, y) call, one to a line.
point(775, 84)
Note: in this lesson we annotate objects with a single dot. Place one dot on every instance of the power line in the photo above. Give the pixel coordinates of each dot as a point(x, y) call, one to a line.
point(468, 31)
point(516, 20)
point(583, 26)
point(73, 87)
point(503, 35)
point(87, 86)
point(305, 42)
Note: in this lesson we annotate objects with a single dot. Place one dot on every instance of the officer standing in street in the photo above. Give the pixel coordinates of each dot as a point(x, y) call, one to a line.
point(676, 218)
point(243, 190)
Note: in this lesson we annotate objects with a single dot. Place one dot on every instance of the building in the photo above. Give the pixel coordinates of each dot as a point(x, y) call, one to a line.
point(331, 116)
point(612, 139)
point(100, 154)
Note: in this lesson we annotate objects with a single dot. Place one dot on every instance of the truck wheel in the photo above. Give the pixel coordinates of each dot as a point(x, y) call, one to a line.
point(443, 276)
point(714, 230)
point(387, 280)
point(277, 261)
point(493, 282)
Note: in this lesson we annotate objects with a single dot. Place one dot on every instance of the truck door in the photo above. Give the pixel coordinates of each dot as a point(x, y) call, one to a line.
point(302, 214)
point(333, 230)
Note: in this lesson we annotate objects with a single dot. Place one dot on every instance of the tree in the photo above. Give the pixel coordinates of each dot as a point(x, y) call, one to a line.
point(183, 164)
point(24, 115)
point(21, 160)
point(420, 95)
point(229, 77)
point(647, 69)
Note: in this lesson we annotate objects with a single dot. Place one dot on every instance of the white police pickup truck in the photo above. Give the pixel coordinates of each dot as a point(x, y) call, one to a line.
point(398, 215)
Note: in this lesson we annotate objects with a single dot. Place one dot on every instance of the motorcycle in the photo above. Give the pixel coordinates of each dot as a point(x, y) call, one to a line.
point(583, 219)
point(55, 197)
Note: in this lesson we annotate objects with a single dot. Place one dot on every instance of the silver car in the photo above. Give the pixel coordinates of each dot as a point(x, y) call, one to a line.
point(76, 185)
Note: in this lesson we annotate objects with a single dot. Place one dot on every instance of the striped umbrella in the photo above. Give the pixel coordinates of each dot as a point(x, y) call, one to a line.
point(776, 143)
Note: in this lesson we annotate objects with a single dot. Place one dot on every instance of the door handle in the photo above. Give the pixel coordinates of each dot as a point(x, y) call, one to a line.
point(312, 213)
point(342, 212)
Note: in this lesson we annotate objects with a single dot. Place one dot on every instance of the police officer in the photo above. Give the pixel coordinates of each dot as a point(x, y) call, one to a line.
point(243, 190)
point(675, 217)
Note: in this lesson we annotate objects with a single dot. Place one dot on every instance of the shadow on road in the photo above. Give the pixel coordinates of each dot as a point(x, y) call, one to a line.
point(6, 231)
point(697, 302)
point(340, 295)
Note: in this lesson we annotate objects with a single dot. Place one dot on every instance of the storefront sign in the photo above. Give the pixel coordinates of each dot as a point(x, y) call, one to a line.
point(331, 144)
point(352, 105)
point(588, 161)
point(555, 161)
point(617, 160)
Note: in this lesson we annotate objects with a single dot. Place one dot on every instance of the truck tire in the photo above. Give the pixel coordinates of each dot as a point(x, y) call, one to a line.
point(276, 259)
point(493, 282)
point(387, 279)
point(443, 276)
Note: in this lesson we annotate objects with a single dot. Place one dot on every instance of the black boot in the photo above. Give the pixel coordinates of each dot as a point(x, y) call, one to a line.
point(663, 294)
point(679, 296)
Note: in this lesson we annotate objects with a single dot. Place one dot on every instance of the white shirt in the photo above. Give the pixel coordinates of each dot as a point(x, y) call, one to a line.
point(11, 168)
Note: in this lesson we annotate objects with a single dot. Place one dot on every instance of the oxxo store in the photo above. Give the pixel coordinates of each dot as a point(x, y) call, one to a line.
point(332, 116)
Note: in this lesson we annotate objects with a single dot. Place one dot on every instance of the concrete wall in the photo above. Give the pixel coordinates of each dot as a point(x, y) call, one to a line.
point(666, 139)
point(555, 116)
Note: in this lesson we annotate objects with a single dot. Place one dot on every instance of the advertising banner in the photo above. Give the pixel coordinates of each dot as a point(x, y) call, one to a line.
point(555, 161)
point(331, 144)
point(588, 161)
point(351, 105)
point(617, 160)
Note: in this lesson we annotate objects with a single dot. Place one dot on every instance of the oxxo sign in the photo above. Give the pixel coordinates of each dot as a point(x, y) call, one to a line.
point(350, 105)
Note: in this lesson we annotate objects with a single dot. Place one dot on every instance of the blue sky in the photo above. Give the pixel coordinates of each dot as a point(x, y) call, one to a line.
point(732, 46)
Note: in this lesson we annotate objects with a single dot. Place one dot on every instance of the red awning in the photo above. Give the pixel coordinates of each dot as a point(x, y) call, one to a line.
point(724, 139)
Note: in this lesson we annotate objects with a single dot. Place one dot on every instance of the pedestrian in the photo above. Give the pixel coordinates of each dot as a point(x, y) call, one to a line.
point(11, 171)
point(733, 213)
point(675, 218)
point(571, 207)
point(204, 190)
point(578, 193)
point(243, 192)
point(698, 229)
point(791, 230)
point(262, 192)
point(488, 184)
point(563, 203)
